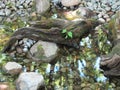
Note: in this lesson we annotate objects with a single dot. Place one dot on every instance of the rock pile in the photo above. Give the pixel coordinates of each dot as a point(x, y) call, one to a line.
point(14, 8)
point(105, 10)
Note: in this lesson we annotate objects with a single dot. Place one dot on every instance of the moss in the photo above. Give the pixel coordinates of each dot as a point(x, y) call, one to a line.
point(115, 50)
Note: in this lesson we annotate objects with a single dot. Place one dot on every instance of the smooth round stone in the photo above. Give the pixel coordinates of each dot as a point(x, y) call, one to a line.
point(107, 8)
point(108, 19)
point(98, 27)
point(21, 7)
point(99, 15)
point(2, 5)
point(101, 20)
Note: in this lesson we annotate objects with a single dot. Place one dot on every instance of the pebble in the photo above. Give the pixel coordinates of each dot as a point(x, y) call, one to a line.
point(2, 13)
point(28, 44)
point(69, 3)
point(3, 5)
point(22, 1)
point(7, 12)
point(25, 49)
point(107, 8)
point(101, 20)
point(106, 16)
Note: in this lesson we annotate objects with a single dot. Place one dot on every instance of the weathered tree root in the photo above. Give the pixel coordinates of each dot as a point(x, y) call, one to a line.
point(50, 30)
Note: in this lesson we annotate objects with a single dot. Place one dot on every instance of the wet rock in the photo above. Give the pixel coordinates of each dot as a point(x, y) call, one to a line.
point(68, 3)
point(44, 51)
point(12, 68)
point(30, 81)
point(42, 6)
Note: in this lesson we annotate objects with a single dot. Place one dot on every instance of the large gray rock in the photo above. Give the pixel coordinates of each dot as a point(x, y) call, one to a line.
point(68, 3)
point(42, 6)
point(44, 51)
point(12, 68)
point(30, 81)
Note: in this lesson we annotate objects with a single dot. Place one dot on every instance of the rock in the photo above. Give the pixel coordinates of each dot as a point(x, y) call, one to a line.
point(42, 6)
point(2, 13)
point(19, 50)
point(22, 1)
point(30, 81)
point(106, 16)
point(68, 3)
point(12, 68)
point(44, 51)
point(4, 86)
point(107, 8)
point(80, 13)
point(85, 12)
point(3, 5)
point(101, 20)
point(7, 12)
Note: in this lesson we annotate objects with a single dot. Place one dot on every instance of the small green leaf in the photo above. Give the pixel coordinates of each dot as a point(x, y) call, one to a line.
point(64, 31)
point(70, 34)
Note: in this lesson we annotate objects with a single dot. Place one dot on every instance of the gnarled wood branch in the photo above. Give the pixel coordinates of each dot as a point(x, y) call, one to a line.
point(50, 30)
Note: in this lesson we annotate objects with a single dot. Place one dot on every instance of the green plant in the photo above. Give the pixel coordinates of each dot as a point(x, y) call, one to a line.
point(67, 34)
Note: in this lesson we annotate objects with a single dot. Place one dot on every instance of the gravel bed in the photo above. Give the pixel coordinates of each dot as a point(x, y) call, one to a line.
point(105, 9)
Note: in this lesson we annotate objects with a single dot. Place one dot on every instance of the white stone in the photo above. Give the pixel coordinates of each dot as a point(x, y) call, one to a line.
point(2, 13)
point(108, 19)
point(101, 20)
point(30, 81)
point(12, 68)
point(99, 15)
point(106, 16)
point(107, 8)
point(68, 3)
